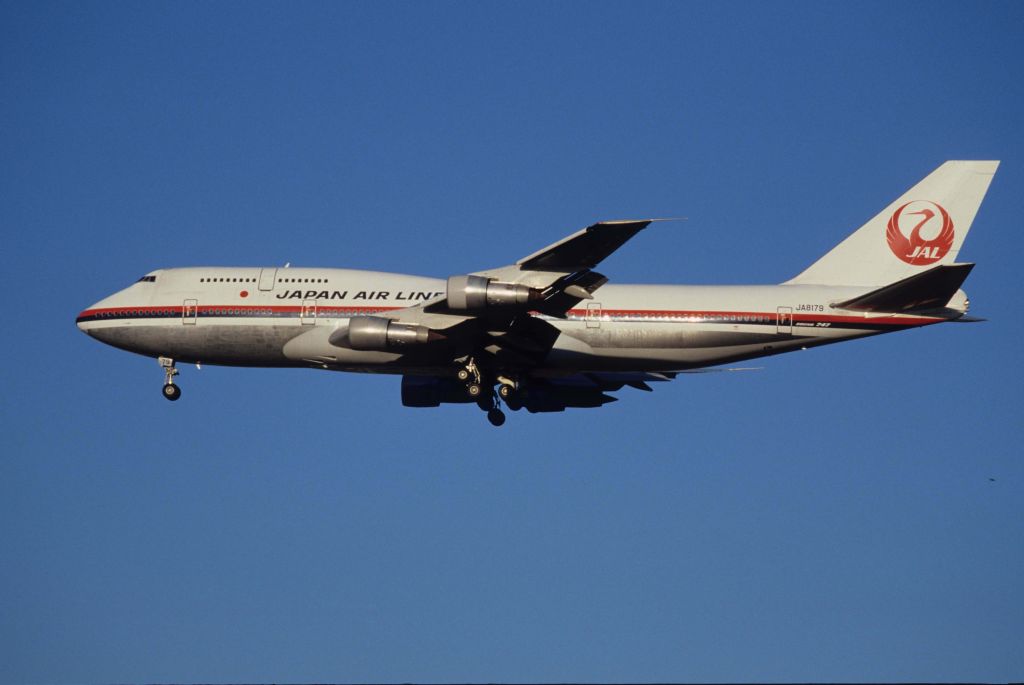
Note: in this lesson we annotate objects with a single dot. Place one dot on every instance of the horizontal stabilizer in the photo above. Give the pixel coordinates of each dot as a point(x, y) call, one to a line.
point(927, 290)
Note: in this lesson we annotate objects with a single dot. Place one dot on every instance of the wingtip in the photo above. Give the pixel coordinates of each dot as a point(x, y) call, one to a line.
point(655, 220)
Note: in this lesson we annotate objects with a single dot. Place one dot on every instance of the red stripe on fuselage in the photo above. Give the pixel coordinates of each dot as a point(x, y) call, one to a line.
point(680, 316)
point(772, 317)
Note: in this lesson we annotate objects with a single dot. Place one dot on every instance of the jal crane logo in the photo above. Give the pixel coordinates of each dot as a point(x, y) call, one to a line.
point(920, 232)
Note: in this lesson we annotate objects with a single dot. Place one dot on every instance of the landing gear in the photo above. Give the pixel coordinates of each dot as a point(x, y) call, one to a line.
point(482, 391)
point(492, 406)
point(470, 374)
point(170, 390)
point(509, 391)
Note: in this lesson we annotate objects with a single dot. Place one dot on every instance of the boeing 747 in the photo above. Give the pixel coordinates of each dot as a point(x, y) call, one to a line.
point(548, 332)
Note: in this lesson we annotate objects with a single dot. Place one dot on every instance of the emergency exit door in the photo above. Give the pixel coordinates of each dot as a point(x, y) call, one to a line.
point(189, 311)
point(308, 312)
point(785, 321)
point(267, 279)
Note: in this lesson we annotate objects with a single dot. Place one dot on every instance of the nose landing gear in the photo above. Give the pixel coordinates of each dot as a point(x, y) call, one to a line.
point(170, 391)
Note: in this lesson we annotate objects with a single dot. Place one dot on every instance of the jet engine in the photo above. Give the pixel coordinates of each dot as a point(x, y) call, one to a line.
point(377, 334)
point(473, 293)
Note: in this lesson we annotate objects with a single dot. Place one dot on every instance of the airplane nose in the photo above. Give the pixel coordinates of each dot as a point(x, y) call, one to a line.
point(86, 316)
point(82, 318)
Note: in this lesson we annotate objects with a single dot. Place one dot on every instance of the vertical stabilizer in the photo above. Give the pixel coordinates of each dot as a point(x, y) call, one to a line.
point(924, 228)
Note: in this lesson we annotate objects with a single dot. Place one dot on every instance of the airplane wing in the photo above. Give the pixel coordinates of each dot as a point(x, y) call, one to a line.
point(490, 311)
point(489, 315)
point(585, 389)
point(584, 249)
point(545, 393)
point(590, 389)
point(552, 280)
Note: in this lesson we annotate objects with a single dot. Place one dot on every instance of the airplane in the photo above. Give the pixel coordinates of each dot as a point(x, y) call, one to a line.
point(548, 333)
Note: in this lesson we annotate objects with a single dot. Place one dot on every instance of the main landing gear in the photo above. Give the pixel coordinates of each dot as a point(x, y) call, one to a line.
point(509, 393)
point(170, 390)
point(484, 394)
point(470, 375)
point(496, 417)
point(492, 406)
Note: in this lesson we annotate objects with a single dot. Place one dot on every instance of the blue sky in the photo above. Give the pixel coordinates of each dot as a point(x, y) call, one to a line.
point(848, 513)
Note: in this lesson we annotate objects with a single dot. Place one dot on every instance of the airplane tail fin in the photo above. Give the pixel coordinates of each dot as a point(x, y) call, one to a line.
point(922, 229)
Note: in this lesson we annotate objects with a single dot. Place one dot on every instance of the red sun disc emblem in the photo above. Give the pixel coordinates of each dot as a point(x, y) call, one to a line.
point(930, 232)
point(244, 293)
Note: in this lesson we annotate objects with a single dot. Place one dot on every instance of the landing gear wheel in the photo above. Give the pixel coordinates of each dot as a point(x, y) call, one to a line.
point(474, 390)
point(470, 372)
point(511, 394)
point(496, 417)
point(171, 391)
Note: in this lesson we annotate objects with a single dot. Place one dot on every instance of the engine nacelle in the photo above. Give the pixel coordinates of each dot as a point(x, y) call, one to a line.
point(377, 334)
point(427, 391)
point(473, 293)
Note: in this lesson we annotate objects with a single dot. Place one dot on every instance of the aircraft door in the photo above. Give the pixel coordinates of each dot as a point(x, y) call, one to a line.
point(784, 325)
point(189, 310)
point(593, 315)
point(267, 279)
point(308, 313)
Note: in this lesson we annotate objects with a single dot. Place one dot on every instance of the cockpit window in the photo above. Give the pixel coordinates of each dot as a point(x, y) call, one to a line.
point(147, 279)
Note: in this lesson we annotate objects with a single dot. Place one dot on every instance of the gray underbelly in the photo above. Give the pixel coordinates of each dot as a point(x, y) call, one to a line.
point(241, 345)
point(674, 337)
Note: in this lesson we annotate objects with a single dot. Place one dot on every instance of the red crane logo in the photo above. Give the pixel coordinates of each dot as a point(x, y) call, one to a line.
point(917, 249)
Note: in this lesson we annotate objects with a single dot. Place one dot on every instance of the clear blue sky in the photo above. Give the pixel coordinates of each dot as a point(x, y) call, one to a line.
point(832, 517)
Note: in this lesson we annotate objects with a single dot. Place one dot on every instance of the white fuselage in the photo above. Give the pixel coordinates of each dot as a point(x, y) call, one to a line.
point(284, 317)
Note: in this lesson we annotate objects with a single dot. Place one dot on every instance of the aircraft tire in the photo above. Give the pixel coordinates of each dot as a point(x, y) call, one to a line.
point(496, 417)
point(171, 392)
